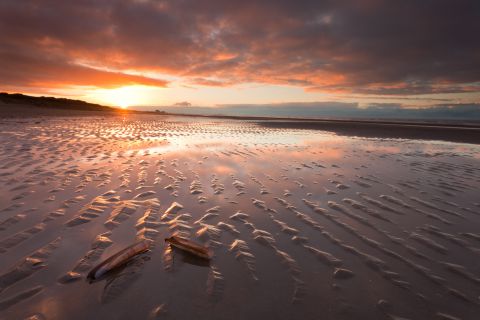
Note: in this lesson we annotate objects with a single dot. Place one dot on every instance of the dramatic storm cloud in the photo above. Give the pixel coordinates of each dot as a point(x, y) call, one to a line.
point(362, 46)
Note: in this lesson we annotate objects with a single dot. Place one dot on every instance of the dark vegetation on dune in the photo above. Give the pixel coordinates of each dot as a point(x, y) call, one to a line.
point(51, 102)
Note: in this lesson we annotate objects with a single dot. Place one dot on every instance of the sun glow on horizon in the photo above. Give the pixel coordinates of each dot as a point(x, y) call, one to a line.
point(122, 97)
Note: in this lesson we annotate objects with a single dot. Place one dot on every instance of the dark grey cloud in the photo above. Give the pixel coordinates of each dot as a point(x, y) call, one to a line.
point(362, 46)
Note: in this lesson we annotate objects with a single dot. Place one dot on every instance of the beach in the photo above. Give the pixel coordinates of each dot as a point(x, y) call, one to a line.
point(305, 220)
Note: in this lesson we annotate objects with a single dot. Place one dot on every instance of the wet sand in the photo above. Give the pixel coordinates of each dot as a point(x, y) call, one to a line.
point(451, 131)
point(302, 223)
point(469, 133)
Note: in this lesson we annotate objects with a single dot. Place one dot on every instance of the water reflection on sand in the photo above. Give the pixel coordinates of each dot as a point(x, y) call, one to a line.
point(302, 223)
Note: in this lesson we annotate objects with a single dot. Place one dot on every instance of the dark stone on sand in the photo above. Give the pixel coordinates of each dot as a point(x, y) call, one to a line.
point(69, 277)
point(341, 273)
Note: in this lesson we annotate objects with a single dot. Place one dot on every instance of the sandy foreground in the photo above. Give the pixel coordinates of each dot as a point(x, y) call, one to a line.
point(303, 223)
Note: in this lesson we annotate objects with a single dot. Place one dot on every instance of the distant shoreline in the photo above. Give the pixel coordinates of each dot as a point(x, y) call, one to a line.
point(415, 129)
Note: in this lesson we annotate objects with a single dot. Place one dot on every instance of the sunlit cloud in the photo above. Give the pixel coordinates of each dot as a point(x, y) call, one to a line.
point(359, 47)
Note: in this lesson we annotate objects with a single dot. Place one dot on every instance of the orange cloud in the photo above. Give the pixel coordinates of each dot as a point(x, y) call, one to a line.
point(361, 46)
point(31, 72)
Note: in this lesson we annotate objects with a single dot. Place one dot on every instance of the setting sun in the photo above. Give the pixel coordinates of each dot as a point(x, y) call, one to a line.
point(122, 97)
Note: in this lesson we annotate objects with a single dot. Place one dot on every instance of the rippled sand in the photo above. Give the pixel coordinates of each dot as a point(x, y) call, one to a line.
point(303, 224)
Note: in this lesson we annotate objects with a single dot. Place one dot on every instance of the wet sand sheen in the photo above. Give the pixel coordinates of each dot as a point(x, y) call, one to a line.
point(296, 221)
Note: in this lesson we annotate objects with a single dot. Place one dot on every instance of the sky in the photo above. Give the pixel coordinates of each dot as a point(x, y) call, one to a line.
point(217, 53)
